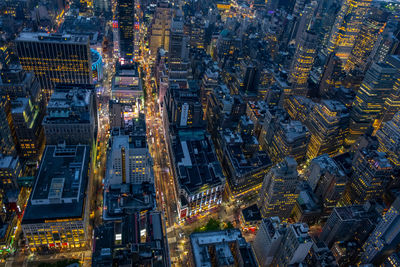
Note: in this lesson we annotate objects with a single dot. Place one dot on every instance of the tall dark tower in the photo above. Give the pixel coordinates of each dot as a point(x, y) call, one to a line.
point(126, 17)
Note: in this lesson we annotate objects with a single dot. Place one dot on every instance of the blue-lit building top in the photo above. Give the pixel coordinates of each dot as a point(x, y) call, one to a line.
point(97, 65)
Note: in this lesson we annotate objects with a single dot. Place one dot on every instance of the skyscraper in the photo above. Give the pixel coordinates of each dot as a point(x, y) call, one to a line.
point(55, 58)
point(328, 124)
point(389, 139)
point(160, 27)
point(371, 174)
point(126, 18)
point(344, 222)
point(384, 238)
point(268, 238)
point(331, 76)
point(278, 193)
point(7, 146)
point(371, 28)
point(130, 160)
point(327, 180)
point(16, 82)
point(346, 27)
point(302, 63)
point(368, 104)
point(27, 118)
point(392, 102)
point(290, 140)
point(178, 52)
point(294, 246)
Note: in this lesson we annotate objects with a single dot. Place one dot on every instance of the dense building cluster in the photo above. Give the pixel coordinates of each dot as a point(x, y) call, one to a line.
point(200, 133)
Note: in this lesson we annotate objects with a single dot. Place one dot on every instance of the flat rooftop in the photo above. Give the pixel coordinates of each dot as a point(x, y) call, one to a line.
point(60, 185)
point(70, 105)
point(197, 164)
point(219, 242)
point(52, 38)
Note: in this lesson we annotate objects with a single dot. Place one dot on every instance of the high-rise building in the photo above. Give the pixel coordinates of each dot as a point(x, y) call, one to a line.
point(346, 27)
point(393, 260)
point(370, 30)
point(328, 123)
point(320, 255)
point(331, 76)
point(243, 163)
point(302, 63)
point(197, 32)
point(7, 146)
point(344, 222)
point(327, 180)
point(126, 19)
point(178, 64)
point(268, 238)
point(369, 102)
point(129, 161)
point(10, 171)
point(57, 212)
point(305, 21)
point(71, 115)
point(22, 91)
point(279, 192)
point(371, 174)
point(387, 43)
point(295, 245)
point(159, 37)
point(16, 82)
point(392, 102)
point(290, 140)
point(389, 139)
point(126, 86)
point(385, 238)
point(183, 108)
point(249, 77)
point(55, 58)
point(27, 122)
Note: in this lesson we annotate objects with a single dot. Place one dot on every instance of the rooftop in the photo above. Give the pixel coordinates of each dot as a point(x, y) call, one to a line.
point(69, 105)
point(120, 199)
point(220, 242)
point(60, 185)
point(294, 130)
point(8, 162)
point(197, 163)
point(244, 165)
point(251, 213)
point(140, 237)
point(52, 38)
point(327, 164)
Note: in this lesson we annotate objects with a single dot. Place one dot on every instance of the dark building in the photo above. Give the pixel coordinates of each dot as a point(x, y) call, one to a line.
point(22, 90)
point(135, 240)
point(183, 108)
point(71, 115)
point(126, 18)
point(7, 146)
point(27, 122)
point(350, 223)
point(198, 173)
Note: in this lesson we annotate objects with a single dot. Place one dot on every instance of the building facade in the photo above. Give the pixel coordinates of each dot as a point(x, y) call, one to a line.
point(55, 58)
